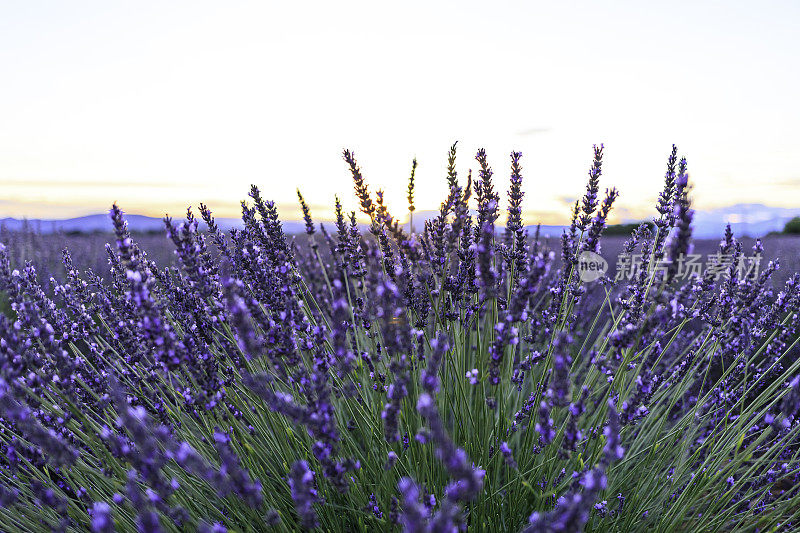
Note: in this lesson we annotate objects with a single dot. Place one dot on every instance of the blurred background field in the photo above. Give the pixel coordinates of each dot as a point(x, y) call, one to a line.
point(88, 250)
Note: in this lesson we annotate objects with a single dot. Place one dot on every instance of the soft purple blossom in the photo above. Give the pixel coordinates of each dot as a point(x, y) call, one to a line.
point(304, 494)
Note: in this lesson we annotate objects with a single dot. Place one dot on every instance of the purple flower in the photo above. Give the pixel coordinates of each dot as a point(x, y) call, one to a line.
point(613, 450)
point(414, 516)
point(544, 423)
point(430, 377)
point(47, 440)
point(232, 478)
point(391, 460)
point(304, 494)
point(101, 518)
point(590, 198)
point(467, 480)
point(507, 455)
point(8, 496)
point(601, 508)
point(306, 213)
point(515, 195)
point(373, 507)
point(561, 384)
point(572, 510)
point(598, 222)
point(485, 270)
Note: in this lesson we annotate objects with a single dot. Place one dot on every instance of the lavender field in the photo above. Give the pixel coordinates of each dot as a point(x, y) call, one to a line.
point(88, 250)
point(462, 378)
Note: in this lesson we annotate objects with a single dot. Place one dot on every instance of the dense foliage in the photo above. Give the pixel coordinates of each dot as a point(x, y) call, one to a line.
point(620, 229)
point(793, 226)
point(458, 377)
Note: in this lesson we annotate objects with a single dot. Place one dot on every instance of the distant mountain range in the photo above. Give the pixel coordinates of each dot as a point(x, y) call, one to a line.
point(102, 222)
point(753, 220)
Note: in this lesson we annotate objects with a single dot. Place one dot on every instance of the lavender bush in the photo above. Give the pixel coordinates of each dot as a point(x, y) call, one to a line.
point(454, 378)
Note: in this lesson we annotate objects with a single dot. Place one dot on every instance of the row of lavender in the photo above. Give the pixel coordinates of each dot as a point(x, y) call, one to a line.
point(460, 377)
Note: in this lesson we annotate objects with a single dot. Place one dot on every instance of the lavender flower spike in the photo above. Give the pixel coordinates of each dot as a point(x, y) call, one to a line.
point(101, 518)
point(304, 494)
point(613, 450)
point(414, 516)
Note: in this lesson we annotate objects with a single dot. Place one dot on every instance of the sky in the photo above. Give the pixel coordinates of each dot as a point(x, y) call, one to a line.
point(161, 105)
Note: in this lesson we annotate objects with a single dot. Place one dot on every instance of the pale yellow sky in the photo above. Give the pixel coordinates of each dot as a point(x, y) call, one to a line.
point(158, 105)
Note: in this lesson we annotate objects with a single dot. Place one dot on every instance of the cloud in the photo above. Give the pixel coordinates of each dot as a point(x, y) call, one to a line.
point(533, 131)
point(791, 182)
point(568, 200)
point(91, 184)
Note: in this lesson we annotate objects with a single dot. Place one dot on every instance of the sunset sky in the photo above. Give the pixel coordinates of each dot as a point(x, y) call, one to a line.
point(158, 105)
